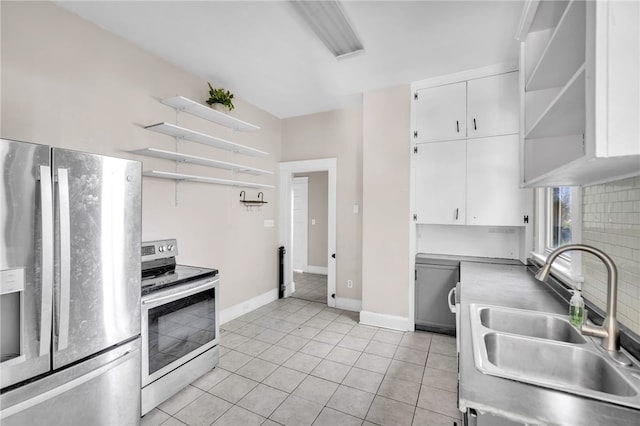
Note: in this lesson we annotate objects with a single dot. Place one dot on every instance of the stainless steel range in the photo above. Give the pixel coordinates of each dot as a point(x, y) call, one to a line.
point(180, 322)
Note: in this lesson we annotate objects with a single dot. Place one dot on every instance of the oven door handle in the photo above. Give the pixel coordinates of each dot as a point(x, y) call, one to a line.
point(180, 294)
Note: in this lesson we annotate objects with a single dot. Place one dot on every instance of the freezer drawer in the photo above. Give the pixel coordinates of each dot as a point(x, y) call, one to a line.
point(104, 390)
point(433, 283)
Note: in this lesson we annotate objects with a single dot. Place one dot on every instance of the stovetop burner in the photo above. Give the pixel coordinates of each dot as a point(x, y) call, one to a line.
point(159, 268)
point(181, 274)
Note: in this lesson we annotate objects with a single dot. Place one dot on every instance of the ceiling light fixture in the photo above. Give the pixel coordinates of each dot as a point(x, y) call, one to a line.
point(330, 23)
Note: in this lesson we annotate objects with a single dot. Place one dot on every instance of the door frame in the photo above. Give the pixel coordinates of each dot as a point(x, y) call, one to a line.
point(285, 231)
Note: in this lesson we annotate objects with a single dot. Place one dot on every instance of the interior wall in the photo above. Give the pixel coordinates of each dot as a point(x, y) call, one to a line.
point(386, 211)
point(335, 134)
point(482, 241)
point(318, 217)
point(611, 222)
point(67, 83)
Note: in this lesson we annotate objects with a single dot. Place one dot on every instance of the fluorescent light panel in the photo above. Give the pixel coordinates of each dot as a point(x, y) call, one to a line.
point(328, 20)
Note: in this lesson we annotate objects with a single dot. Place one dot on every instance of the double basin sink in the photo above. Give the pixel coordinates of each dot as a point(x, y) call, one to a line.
point(548, 351)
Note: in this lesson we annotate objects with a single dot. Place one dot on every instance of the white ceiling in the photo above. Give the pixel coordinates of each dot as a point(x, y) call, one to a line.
point(263, 52)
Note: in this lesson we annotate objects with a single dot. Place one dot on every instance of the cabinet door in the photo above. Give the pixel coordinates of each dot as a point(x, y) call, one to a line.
point(494, 197)
point(440, 182)
point(492, 105)
point(433, 283)
point(440, 113)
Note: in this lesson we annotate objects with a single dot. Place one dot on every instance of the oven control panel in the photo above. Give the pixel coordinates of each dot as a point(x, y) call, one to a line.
point(160, 249)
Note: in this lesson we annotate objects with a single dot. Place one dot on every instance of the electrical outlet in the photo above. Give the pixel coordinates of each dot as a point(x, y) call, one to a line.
point(349, 284)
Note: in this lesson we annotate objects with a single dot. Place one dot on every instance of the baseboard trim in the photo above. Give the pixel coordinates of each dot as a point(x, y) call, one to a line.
point(383, 320)
point(235, 311)
point(347, 304)
point(322, 270)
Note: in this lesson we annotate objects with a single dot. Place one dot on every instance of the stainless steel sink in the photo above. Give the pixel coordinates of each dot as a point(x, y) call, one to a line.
point(561, 365)
point(532, 324)
point(536, 348)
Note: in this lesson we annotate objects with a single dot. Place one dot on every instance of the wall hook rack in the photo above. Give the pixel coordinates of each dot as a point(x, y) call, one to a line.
point(249, 204)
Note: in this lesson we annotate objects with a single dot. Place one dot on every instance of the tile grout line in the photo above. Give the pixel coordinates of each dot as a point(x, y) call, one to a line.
point(335, 316)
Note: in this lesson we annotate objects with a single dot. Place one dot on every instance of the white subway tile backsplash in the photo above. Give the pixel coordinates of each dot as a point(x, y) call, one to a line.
point(611, 222)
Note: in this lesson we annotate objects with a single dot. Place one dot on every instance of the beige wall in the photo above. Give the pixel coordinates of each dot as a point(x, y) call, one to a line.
point(335, 134)
point(67, 83)
point(317, 218)
point(611, 222)
point(385, 198)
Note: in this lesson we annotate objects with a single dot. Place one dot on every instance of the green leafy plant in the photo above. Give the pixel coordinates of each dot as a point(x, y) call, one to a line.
point(220, 96)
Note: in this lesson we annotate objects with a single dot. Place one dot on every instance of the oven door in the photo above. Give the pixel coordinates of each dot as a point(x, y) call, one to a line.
point(178, 324)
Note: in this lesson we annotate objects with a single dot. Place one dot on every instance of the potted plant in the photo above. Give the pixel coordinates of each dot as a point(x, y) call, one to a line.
point(220, 97)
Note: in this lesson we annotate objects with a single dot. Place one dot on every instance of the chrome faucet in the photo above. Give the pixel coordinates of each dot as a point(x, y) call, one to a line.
point(608, 331)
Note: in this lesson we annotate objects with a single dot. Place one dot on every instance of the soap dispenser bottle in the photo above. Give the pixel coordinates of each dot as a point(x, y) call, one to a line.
point(576, 309)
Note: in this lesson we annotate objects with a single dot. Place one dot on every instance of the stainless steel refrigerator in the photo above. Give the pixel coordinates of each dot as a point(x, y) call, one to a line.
point(69, 287)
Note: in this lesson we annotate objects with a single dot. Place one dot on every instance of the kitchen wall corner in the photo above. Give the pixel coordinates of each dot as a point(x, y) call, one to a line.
point(68, 83)
point(335, 134)
point(385, 204)
point(611, 222)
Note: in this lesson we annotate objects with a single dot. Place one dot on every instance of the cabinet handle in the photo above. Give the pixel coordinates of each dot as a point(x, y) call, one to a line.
point(474, 124)
point(452, 306)
point(457, 214)
point(457, 127)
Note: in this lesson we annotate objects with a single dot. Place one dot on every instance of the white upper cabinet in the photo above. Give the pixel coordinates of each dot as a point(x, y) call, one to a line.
point(470, 176)
point(492, 105)
point(476, 108)
point(440, 181)
point(493, 193)
point(581, 91)
point(440, 113)
point(470, 182)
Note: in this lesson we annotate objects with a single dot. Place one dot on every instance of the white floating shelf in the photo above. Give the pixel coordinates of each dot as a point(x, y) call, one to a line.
point(203, 179)
point(192, 159)
point(565, 115)
point(561, 57)
point(193, 136)
point(181, 103)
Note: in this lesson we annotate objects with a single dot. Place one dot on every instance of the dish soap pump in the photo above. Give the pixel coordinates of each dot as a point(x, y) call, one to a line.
point(576, 309)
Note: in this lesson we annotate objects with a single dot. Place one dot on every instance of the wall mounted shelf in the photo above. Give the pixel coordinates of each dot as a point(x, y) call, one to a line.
point(580, 100)
point(565, 114)
point(192, 159)
point(193, 136)
point(180, 103)
point(250, 204)
point(560, 57)
point(203, 179)
point(257, 201)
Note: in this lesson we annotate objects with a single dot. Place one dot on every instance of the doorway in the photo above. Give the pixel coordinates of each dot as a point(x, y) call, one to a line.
point(287, 214)
point(310, 193)
point(300, 223)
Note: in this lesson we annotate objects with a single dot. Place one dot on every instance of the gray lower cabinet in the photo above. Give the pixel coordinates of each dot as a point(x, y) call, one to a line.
point(434, 280)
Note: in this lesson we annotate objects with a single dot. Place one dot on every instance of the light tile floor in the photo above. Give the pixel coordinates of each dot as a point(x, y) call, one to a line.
point(295, 362)
point(311, 287)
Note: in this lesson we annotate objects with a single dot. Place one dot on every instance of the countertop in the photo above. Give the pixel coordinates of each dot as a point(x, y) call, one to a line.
point(513, 286)
point(448, 259)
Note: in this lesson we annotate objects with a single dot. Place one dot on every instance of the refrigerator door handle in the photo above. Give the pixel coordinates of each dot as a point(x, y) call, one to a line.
point(46, 260)
point(65, 259)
